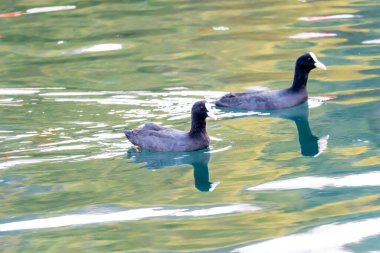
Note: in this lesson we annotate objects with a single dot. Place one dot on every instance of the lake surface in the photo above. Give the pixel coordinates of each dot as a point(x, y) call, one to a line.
point(75, 76)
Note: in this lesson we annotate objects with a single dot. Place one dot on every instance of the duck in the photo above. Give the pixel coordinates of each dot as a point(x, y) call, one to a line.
point(154, 137)
point(276, 99)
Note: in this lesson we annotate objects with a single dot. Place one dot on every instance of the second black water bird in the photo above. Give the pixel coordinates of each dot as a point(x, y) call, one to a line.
point(276, 99)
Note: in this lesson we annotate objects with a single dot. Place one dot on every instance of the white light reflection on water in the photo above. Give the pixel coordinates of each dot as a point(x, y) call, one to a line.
point(25, 91)
point(310, 35)
point(377, 41)
point(175, 104)
point(317, 101)
point(322, 144)
point(50, 9)
point(83, 93)
point(14, 91)
point(219, 150)
point(327, 238)
point(172, 102)
point(108, 149)
point(357, 180)
point(11, 102)
point(329, 17)
point(8, 164)
point(18, 136)
point(62, 148)
point(133, 214)
point(220, 28)
point(96, 48)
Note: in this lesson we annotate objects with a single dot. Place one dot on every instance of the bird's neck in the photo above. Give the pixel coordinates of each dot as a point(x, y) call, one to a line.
point(198, 126)
point(300, 79)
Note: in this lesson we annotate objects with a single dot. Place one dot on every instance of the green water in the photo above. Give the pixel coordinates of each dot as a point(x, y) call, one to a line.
point(300, 180)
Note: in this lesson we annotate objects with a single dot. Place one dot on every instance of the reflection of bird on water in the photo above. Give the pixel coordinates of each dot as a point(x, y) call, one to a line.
point(373, 118)
point(198, 159)
point(310, 144)
point(276, 99)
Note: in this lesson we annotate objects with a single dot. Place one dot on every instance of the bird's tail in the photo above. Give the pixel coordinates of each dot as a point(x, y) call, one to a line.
point(128, 134)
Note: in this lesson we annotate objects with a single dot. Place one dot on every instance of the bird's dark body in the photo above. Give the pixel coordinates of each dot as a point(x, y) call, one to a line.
point(157, 138)
point(263, 100)
point(154, 137)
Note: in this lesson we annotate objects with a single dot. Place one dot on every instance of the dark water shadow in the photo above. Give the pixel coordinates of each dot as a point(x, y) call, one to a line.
point(310, 145)
point(160, 160)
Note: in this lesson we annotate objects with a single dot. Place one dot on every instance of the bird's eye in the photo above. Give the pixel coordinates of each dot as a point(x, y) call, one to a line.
point(309, 59)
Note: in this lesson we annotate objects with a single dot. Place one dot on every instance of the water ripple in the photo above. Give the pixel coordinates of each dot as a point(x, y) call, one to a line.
point(50, 9)
point(8, 164)
point(329, 17)
point(311, 35)
point(377, 41)
point(357, 180)
point(130, 215)
point(326, 238)
point(96, 48)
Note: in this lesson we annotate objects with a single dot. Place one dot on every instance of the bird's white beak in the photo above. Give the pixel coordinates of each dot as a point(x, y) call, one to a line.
point(210, 111)
point(317, 63)
point(320, 65)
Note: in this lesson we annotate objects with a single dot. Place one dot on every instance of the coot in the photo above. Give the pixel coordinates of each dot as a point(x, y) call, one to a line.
point(276, 99)
point(154, 137)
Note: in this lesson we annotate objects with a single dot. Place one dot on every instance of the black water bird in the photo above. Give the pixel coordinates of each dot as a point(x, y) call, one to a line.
point(154, 137)
point(276, 99)
point(160, 160)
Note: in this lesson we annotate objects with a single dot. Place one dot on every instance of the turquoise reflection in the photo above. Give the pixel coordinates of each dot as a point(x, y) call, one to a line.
point(160, 160)
point(310, 145)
